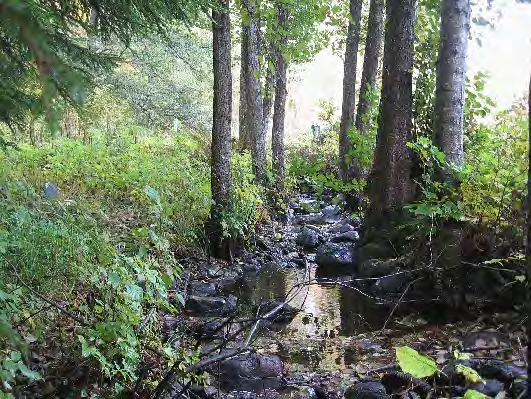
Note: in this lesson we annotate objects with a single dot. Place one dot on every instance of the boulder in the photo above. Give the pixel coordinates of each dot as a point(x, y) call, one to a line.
point(312, 218)
point(308, 238)
point(332, 255)
point(349, 236)
point(367, 390)
point(285, 315)
point(331, 214)
point(340, 228)
point(211, 306)
point(202, 288)
point(500, 370)
point(250, 372)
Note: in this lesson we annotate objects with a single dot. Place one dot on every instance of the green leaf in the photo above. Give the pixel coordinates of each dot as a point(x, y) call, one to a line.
point(472, 394)
point(180, 298)
point(470, 374)
point(26, 372)
point(412, 362)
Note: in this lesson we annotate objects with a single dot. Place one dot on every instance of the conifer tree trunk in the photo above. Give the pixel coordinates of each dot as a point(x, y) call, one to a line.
point(451, 79)
point(349, 88)
point(254, 122)
point(373, 49)
point(221, 129)
point(279, 115)
point(390, 184)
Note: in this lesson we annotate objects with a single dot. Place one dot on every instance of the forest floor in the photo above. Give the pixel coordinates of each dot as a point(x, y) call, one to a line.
point(309, 327)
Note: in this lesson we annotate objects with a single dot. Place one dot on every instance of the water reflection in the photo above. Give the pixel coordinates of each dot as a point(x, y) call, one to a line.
point(327, 310)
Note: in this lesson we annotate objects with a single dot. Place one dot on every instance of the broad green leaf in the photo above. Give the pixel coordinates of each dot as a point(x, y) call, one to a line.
point(414, 363)
point(470, 374)
point(472, 394)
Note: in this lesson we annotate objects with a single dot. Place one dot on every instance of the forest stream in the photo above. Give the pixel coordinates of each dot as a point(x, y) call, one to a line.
point(330, 333)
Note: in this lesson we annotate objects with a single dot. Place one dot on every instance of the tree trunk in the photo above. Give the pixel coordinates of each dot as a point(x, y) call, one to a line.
point(279, 115)
point(451, 79)
point(373, 48)
point(390, 185)
point(269, 89)
point(221, 129)
point(349, 89)
point(245, 138)
point(528, 249)
point(254, 122)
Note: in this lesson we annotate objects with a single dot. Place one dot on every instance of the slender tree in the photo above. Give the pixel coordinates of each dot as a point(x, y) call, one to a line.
point(373, 48)
point(254, 122)
point(280, 98)
point(390, 185)
point(269, 90)
point(451, 79)
point(244, 136)
point(529, 194)
point(349, 88)
point(221, 129)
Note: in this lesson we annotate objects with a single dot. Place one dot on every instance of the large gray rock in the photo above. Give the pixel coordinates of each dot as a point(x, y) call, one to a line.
point(367, 390)
point(312, 218)
point(349, 236)
point(331, 255)
point(250, 372)
point(202, 288)
point(308, 238)
point(211, 306)
point(331, 214)
point(340, 228)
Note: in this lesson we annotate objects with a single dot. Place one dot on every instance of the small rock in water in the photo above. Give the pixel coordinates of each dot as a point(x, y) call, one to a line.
point(489, 387)
point(211, 306)
point(367, 390)
point(331, 213)
point(284, 315)
point(50, 190)
point(340, 228)
point(349, 236)
point(332, 255)
point(308, 238)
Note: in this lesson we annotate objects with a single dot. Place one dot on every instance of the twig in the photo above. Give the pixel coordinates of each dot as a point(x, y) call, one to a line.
point(398, 302)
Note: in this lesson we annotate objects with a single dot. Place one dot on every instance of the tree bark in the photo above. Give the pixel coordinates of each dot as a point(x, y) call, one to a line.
point(451, 79)
point(373, 49)
point(528, 248)
point(269, 89)
point(349, 89)
point(390, 185)
point(244, 136)
point(221, 129)
point(254, 122)
point(279, 115)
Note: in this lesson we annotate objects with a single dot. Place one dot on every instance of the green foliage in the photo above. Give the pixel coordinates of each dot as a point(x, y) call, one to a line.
point(412, 362)
point(470, 374)
point(439, 199)
point(48, 50)
point(472, 394)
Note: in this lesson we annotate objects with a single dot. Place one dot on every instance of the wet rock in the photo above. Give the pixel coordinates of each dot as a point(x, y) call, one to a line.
point(367, 390)
point(204, 392)
point(298, 262)
point(308, 238)
point(250, 372)
point(214, 328)
point(341, 228)
point(284, 315)
point(211, 306)
point(500, 370)
point(265, 394)
point(313, 218)
point(396, 381)
point(349, 236)
point(201, 288)
point(378, 267)
point(489, 387)
point(331, 214)
point(332, 255)
point(485, 339)
point(394, 283)
point(376, 250)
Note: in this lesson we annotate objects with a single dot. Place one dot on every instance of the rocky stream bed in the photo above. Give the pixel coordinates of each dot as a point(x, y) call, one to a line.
point(311, 314)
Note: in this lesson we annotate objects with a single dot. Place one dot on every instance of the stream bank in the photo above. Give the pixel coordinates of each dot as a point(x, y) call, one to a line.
point(338, 314)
